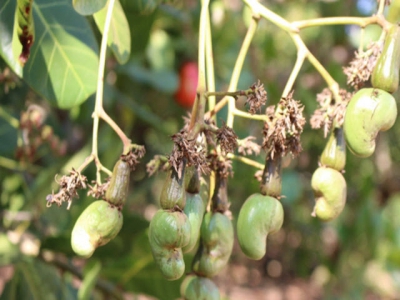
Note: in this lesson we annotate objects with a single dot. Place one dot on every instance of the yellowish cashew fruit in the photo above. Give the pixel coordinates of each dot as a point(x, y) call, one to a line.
point(96, 226)
point(330, 192)
point(369, 111)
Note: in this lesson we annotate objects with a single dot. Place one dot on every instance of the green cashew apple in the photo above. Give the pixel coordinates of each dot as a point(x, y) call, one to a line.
point(385, 75)
point(117, 191)
point(259, 216)
point(216, 244)
point(99, 223)
point(168, 233)
point(334, 154)
point(369, 111)
point(330, 192)
point(173, 193)
point(194, 209)
point(199, 288)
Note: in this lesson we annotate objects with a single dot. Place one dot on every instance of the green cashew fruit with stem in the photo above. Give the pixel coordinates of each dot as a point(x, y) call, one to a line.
point(99, 223)
point(173, 194)
point(168, 233)
point(385, 75)
point(330, 192)
point(215, 246)
point(194, 209)
point(259, 216)
point(369, 111)
point(199, 288)
point(334, 154)
point(117, 191)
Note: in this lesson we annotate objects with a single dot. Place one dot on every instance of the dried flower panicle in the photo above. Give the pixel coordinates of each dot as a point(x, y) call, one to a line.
point(227, 139)
point(187, 150)
point(329, 110)
point(284, 126)
point(257, 98)
point(69, 184)
point(158, 162)
point(97, 190)
point(361, 67)
point(133, 156)
point(220, 165)
point(248, 147)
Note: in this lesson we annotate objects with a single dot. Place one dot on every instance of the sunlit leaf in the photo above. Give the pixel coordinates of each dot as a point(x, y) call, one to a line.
point(119, 37)
point(63, 63)
point(88, 7)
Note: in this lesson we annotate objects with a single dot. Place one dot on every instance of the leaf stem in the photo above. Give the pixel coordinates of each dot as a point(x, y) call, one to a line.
point(246, 160)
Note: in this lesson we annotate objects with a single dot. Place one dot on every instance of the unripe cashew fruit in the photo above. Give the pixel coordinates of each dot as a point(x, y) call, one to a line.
point(330, 192)
point(385, 75)
point(271, 182)
point(259, 216)
point(194, 210)
point(199, 288)
point(216, 244)
point(369, 111)
point(173, 193)
point(117, 191)
point(99, 223)
point(168, 233)
point(334, 154)
point(192, 180)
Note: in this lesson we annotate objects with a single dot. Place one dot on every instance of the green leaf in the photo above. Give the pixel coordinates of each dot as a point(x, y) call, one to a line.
point(10, 47)
point(92, 271)
point(88, 7)
point(36, 280)
point(119, 37)
point(63, 63)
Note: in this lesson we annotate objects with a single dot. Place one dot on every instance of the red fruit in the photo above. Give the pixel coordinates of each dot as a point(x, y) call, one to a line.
point(186, 92)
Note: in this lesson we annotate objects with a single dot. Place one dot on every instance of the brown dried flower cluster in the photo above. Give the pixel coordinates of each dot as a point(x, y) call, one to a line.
point(283, 129)
point(158, 162)
point(248, 147)
point(222, 166)
point(98, 191)
point(133, 156)
point(227, 139)
point(189, 151)
point(68, 188)
point(257, 98)
point(329, 110)
point(361, 67)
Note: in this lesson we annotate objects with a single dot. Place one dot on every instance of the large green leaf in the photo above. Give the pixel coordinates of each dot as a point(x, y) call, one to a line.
point(119, 37)
point(63, 63)
point(10, 47)
point(88, 7)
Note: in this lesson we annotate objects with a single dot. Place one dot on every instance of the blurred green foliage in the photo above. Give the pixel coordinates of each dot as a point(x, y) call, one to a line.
point(353, 257)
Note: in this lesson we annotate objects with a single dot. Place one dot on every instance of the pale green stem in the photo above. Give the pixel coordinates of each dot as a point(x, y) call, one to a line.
point(238, 68)
point(197, 118)
point(260, 9)
point(246, 160)
point(381, 7)
point(360, 21)
point(243, 114)
point(301, 55)
point(9, 118)
point(210, 65)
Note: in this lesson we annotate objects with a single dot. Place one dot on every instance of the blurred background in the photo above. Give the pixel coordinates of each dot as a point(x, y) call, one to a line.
point(356, 256)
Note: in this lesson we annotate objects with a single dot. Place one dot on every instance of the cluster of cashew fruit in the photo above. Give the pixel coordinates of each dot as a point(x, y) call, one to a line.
point(101, 221)
point(369, 111)
point(262, 213)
